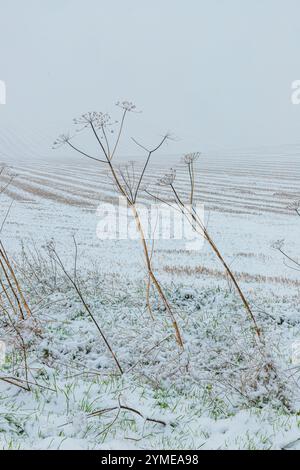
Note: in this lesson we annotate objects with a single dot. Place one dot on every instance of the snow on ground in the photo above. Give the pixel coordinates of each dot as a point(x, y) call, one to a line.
point(222, 391)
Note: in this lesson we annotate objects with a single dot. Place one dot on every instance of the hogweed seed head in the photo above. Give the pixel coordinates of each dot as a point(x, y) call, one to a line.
point(126, 105)
point(61, 140)
point(86, 118)
point(278, 244)
point(50, 245)
point(168, 179)
point(295, 205)
point(103, 120)
point(191, 157)
point(95, 118)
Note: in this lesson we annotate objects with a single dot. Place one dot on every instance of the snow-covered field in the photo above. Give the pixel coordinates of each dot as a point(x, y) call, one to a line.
point(220, 391)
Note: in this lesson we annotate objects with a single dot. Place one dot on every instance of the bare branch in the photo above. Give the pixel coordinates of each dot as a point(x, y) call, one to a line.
point(150, 152)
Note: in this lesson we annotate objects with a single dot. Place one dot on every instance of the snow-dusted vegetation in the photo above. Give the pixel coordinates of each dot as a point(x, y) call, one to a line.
point(93, 367)
point(149, 252)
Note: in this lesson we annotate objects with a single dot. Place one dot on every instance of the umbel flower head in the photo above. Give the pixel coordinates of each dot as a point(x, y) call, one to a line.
point(98, 119)
point(295, 205)
point(278, 244)
point(61, 140)
point(168, 178)
point(191, 157)
point(126, 105)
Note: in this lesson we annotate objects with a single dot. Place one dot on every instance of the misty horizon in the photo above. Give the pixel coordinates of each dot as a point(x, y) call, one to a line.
point(217, 75)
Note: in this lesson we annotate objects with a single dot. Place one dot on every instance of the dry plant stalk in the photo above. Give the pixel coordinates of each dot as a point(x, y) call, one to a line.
point(189, 212)
point(73, 281)
point(11, 289)
point(127, 183)
point(12, 300)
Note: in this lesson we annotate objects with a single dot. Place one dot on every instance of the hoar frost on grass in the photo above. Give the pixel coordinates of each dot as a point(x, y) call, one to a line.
point(214, 394)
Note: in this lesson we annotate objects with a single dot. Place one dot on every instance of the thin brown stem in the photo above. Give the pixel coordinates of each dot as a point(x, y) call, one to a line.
point(87, 308)
point(221, 258)
point(119, 134)
point(84, 154)
point(153, 277)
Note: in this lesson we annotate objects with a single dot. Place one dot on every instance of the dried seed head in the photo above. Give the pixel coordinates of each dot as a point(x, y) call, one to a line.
point(98, 119)
point(103, 120)
point(278, 244)
point(86, 118)
point(191, 157)
point(61, 140)
point(168, 178)
point(50, 245)
point(126, 105)
point(295, 205)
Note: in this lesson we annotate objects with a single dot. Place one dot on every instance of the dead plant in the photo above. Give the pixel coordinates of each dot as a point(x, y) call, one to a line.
point(189, 212)
point(126, 181)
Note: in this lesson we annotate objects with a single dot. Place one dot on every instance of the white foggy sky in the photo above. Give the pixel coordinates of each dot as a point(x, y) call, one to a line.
point(216, 73)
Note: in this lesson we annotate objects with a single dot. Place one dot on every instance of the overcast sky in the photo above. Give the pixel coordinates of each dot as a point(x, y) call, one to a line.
point(216, 73)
